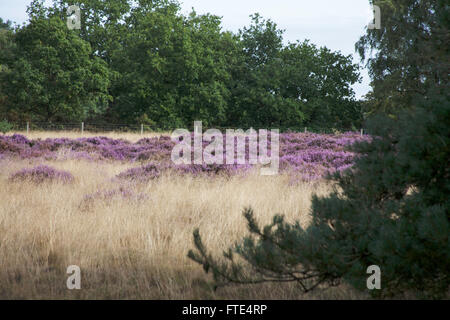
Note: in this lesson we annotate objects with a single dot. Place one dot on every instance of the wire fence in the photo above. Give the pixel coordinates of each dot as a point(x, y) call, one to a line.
point(83, 127)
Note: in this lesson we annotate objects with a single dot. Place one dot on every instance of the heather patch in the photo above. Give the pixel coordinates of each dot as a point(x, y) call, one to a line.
point(42, 173)
point(152, 171)
point(123, 192)
point(144, 173)
point(305, 156)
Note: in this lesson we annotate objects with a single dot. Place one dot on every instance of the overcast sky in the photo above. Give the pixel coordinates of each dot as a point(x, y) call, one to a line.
point(331, 23)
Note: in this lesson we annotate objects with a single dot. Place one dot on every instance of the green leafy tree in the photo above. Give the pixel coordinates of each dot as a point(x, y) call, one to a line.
point(320, 81)
point(290, 86)
point(53, 75)
point(174, 69)
point(6, 56)
point(102, 23)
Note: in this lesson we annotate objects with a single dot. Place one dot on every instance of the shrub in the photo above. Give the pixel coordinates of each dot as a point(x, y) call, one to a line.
point(42, 173)
point(5, 126)
point(144, 173)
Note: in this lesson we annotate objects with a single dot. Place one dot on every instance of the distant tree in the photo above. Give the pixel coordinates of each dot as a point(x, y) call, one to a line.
point(177, 72)
point(321, 81)
point(100, 22)
point(53, 75)
point(6, 56)
point(291, 86)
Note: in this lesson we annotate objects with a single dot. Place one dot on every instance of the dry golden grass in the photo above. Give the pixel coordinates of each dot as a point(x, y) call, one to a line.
point(131, 136)
point(130, 249)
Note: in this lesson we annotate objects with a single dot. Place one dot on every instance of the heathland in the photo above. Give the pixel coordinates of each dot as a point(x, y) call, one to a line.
point(69, 201)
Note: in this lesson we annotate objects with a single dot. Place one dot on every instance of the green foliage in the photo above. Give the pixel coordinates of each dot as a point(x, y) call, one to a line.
point(409, 55)
point(291, 86)
point(6, 55)
point(5, 126)
point(145, 60)
point(53, 76)
point(177, 73)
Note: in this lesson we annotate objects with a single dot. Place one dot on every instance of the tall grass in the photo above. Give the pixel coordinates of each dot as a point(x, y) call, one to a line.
point(129, 248)
point(131, 136)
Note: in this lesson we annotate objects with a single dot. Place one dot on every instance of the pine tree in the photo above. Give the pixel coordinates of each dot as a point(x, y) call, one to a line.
point(391, 210)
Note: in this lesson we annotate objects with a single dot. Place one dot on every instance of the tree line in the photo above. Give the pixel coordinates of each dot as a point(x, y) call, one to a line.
point(145, 62)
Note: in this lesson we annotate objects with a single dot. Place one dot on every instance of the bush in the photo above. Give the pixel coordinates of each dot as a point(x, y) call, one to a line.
point(391, 209)
point(42, 174)
point(5, 126)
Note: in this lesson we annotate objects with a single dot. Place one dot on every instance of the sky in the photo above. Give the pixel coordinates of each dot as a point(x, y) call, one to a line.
point(331, 23)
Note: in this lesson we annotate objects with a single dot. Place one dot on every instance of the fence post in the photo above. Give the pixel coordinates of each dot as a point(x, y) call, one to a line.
point(28, 127)
point(362, 132)
point(142, 129)
point(82, 127)
point(306, 130)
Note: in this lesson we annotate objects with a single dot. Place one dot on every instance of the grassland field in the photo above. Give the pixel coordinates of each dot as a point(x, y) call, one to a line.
point(129, 249)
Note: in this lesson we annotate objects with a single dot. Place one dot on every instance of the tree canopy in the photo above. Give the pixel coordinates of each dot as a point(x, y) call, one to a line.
point(51, 74)
point(145, 62)
point(409, 55)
